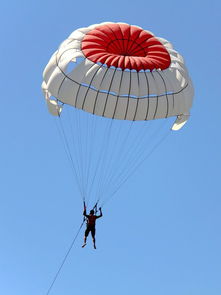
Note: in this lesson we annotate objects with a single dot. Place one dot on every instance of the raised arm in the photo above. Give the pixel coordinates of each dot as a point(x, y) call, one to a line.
point(100, 213)
point(84, 212)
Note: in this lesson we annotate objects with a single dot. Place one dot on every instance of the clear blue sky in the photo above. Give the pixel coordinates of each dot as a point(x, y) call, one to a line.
point(161, 234)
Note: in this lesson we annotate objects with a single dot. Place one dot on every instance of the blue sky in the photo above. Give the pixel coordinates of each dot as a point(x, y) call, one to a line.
point(160, 235)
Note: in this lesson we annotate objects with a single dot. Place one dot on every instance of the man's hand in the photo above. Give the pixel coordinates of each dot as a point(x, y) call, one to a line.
point(100, 212)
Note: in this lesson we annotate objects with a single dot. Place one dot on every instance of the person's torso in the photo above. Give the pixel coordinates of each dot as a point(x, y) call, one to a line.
point(91, 220)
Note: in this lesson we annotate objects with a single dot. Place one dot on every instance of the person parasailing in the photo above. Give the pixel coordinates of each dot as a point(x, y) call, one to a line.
point(91, 222)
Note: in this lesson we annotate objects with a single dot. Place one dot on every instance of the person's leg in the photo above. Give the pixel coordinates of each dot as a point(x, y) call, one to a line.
point(85, 237)
point(93, 236)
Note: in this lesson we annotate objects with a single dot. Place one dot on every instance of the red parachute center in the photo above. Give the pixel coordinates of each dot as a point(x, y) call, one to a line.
point(126, 47)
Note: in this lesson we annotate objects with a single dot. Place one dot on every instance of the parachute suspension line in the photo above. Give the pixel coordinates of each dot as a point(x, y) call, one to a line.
point(119, 147)
point(74, 144)
point(104, 164)
point(135, 140)
point(120, 144)
point(90, 156)
point(136, 167)
point(131, 162)
point(101, 135)
point(94, 161)
point(124, 152)
point(64, 259)
point(95, 208)
point(87, 153)
point(127, 151)
point(142, 141)
point(117, 100)
point(79, 130)
point(141, 146)
point(104, 157)
point(68, 152)
point(71, 157)
point(81, 149)
point(103, 147)
point(91, 130)
point(108, 137)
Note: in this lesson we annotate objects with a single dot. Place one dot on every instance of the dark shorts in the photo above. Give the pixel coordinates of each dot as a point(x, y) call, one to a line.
point(90, 229)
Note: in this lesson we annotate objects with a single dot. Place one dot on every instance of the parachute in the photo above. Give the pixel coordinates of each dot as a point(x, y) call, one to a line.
point(107, 84)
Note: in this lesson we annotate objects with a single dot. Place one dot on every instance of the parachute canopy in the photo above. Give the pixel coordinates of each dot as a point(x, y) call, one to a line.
point(109, 85)
point(119, 71)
